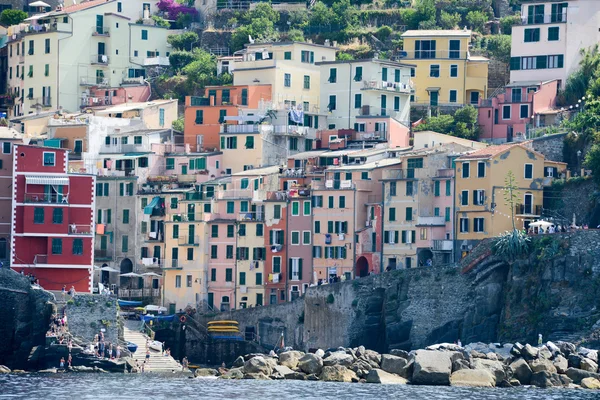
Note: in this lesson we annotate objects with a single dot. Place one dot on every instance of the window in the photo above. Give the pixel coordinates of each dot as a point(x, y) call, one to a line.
point(306, 208)
point(199, 117)
point(436, 212)
point(6, 147)
point(332, 103)
point(161, 117)
point(481, 169)
point(532, 35)
point(553, 34)
point(119, 7)
point(57, 216)
point(448, 188)
point(222, 115)
point(170, 163)
point(38, 215)
point(177, 281)
point(230, 207)
point(213, 251)
point(358, 74)
point(358, 100)
point(409, 213)
point(229, 142)
point(424, 49)
point(293, 144)
point(528, 171)
point(188, 281)
point(464, 198)
point(478, 224)
point(434, 71)
point(392, 214)
point(453, 71)
point(242, 230)
point(47, 46)
point(330, 202)
point(125, 216)
point(276, 211)
point(49, 159)
point(47, 70)
point(332, 75)
point(287, 80)
point(342, 202)
point(454, 49)
point(190, 254)
point(306, 237)
point(396, 103)
point(230, 231)
point(77, 247)
point(465, 169)
point(276, 264)
point(306, 82)
point(144, 34)
point(229, 252)
point(392, 188)
point(447, 214)
point(307, 56)
point(56, 246)
point(317, 226)
point(124, 243)
point(295, 237)
point(410, 188)
point(478, 197)
point(384, 74)
point(524, 111)
point(464, 225)
point(506, 112)
point(453, 96)
point(214, 231)
point(555, 61)
point(436, 188)
point(258, 279)
point(287, 55)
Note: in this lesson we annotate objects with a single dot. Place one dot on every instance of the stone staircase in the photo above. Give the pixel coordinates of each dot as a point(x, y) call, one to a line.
point(157, 361)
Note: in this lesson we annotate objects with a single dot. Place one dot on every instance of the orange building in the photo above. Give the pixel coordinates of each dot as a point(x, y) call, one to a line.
point(204, 115)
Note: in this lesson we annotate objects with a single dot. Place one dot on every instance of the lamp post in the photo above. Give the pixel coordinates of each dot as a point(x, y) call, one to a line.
point(579, 161)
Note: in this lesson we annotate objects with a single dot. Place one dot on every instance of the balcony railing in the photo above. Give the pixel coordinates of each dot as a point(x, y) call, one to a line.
point(374, 111)
point(251, 216)
point(234, 194)
point(387, 86)
point(46, 198)
point(431, 221)
point(139, 293)
point(445, 173)
point(103, 254)
point(124, 148)
point(528, 209)
point(90, 101)
point(101, 31)
point(442, 245)
point(93, 81)
point(43, 101)
point(187, 240)
point(40, 259)
point(100, 59)
point(409, 173)
point(377, 135)
point(77, 229)
point(538, 19)
point(523, 98)
point(294, 130)
point(230, 128)
point(153, 61)
point(187, 217)
point(170, 264)
point(139, 80)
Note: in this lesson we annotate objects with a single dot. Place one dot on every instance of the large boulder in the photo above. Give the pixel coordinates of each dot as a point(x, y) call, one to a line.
point(233, 373)
point(400, 353)
point(588, 365)
point(205, 372)
point(566, 348)
point(239, 362)
point(394, 364)
point(338, 358)
point(590, 383)
point(361, 367)
point(258, 376)
point(529, 352)
point(542, 364)
point(590, 354)
point(4, 370)
point(373, 357)
point(545, 379)
point(290, 358)
point(561, 364)
point(575, 360)
point(544, 352)
point(472, 377)
point(257, 365)
point(516, 349)
point(282, 370)
point(521, 371)
point(311, 364)
point(380, 376)
point(457, 365)
point(433, 367)
point(338, 373)
point(577, 375)
point(296, 376)
point(496, 368)
point(553, 348)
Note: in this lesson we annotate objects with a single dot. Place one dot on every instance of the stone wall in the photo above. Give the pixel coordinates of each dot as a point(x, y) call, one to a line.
point(24, 318)
point(573, 197)
point(498, 75)
point(550, 146)
point(87, 314)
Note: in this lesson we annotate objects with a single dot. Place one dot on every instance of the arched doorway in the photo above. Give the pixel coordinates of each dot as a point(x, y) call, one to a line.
point(105, 275)
point(425, 258)
point(362, 267)
point(125, 268)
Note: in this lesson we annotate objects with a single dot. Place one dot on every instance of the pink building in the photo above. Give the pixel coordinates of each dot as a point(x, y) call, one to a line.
point(369, 242)
point(103, 97)
point(522, 106)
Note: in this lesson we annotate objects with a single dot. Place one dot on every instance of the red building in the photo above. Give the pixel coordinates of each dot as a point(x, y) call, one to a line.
point(53, 219)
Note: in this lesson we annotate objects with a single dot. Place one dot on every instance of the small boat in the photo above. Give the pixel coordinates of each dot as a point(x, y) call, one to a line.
point(132, 347)
point(155, 345)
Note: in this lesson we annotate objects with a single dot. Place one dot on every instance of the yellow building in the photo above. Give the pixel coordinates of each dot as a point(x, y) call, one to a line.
point(481, 210)
point(445, 74)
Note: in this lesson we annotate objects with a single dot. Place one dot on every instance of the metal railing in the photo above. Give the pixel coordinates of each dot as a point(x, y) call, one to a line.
point(251, 216)
point(523, 98)
point(234, 194)
point(374, 111)
point(294, 130)
point(102, 254)
point(148, 292)
point(431, 221)
point(170, 263)
point(77, 229)
point(139, 80)
point(40, 259)
point(124, 148)
point(186, 240)
point(100, 59)
point(46, 198)
point(537, 19)
point(101, 31)
point(187, 217)
point(230, 128)
point(150, 61)
point(399, 87)
point(93, 81)
point(44, 101)
point(442, 245)
point(528, 209)
point(92, 101)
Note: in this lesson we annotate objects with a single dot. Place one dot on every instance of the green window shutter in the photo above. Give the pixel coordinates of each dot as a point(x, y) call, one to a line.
point(124, 243)
point(295, 208)
point(384, 74)
point(106, 191)
point(300, 269)
point(561, 60)
point(109, 216)
point(175, 231)
point(342, 201)
point(307, 208)
point(317, 226)
point(330, 201)
point(77, 246)
point(447, 214)
point(121, 189)
point(409, 213)
point(174, 202)
point(192, 165)
point(99, 217)
point(249, 142)
point(541, 62)
point(392, 213)
point(259, 229)
point(258, 278)
point(234, 142)
point(515, 63)
point(57, 216)
point(329, 226)
point(436, 188)
point(56, 246)
point(170, 163)
point(242, 278)
point(403, 236)
point(99, 189)
point(125, 216)
point(222, 143)
point(448, 188)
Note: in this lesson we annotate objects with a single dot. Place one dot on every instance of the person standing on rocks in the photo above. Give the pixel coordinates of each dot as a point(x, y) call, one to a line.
point(540, 340)
point(62, 363)
point(184, 364)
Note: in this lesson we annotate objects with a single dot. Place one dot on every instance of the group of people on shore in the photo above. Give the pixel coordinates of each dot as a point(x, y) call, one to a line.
point(534, 230)
point(106, 350)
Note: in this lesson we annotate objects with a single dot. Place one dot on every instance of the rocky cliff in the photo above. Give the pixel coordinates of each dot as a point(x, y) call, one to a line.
point(553, 291)
point(24, 316)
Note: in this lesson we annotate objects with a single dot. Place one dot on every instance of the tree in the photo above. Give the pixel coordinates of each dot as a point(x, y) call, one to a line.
point(592, 161)
point(160, 21)
point(12, 17)
point(261, 30)
point(579, 81)
point(498, 47)
point(511, 195)
point(295, 35)
point(448, 20)
point(442, 124)
point(179, 59)
point(476, 20)
point(341, 56)
point(506, 23)
point(183, 41)
point(383, 33)
point(262, 10)
point(178, 124)
point(321, 15)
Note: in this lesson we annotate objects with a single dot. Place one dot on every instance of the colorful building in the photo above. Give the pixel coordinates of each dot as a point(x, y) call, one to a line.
point(480, 208)
point(522, 107)
point(9, 138)
point(52, 232)
point(445, 73)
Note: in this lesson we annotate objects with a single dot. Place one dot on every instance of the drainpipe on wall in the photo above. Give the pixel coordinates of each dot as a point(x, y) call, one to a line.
point(381, 269)
point(350, 94)
point(354, 237)
point(287, 241)
point(58, 63)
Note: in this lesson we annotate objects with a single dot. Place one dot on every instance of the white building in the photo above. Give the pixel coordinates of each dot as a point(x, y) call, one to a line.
point(548, 42)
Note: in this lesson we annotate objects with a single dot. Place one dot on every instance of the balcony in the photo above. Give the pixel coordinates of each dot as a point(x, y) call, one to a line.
point(187, 240)
point(442, 245)
point(523, 98)
point(103, 254)
point(123, 148)
point(77, 229)
point(93, 81)
point(251, 216)
point(43, 101)
point(170, 264)
point(234, 194)
point(99, 59)
point(187, 217)
point(295, 130)
point(528, 210)
point(138, 293)
point(397, 87)
point(230, 128)
point(101, 31)
point(376, 135)
point(431, 221)
point(40, 259)
point(90, 101)
point(539, 19)
point(374, 111)
point(156, 61)
point(445, 173)
point(46, 198)
point(139, 80)
point(405, 174)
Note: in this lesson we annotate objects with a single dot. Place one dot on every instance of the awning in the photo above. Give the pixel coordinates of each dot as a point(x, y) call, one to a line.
point(46, 180)
point(433, 89)
point(154, 203)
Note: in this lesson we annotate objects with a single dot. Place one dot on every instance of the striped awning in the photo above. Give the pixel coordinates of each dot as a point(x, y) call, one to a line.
point(46, 180)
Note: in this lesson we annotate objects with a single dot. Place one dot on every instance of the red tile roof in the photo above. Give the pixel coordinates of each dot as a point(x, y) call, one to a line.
point(489, 152)
point(83, 5)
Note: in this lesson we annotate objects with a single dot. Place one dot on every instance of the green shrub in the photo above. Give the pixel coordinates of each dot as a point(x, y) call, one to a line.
point(512, 245)
point(70, 302)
